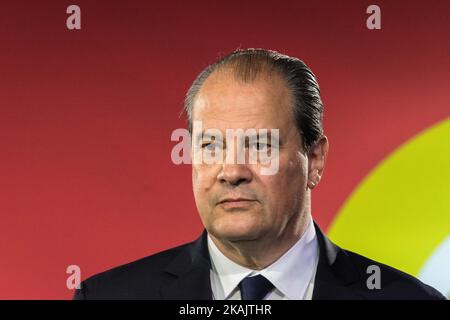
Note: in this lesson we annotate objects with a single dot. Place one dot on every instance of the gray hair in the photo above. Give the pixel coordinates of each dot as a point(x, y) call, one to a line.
point(247, 64)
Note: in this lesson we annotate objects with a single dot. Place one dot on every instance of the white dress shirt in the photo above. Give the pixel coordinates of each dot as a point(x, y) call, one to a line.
point(292, 274)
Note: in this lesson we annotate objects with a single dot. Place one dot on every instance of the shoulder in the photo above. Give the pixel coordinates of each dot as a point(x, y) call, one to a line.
point(134, 280)
point(392, 283)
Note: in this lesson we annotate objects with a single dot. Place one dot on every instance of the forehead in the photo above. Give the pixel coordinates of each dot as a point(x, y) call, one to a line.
point(227, 102)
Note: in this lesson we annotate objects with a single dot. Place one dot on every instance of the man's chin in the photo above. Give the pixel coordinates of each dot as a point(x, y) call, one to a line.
point(236, 233)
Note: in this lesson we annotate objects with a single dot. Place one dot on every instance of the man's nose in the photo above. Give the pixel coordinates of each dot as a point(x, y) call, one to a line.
point(235, 174)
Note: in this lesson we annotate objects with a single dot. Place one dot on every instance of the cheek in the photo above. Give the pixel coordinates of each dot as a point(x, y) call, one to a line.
point(289, 182)
point(203, 175)
point(298, 166)
point(293, 168)
point(203, 179)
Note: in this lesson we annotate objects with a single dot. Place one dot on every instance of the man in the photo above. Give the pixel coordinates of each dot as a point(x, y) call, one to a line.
point(260, 241)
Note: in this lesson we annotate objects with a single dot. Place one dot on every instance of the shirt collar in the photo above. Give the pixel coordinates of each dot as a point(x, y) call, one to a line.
point(290, 274)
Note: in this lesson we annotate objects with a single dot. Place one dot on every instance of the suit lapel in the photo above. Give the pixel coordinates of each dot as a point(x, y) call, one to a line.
point(335, 272)
point(191, 267)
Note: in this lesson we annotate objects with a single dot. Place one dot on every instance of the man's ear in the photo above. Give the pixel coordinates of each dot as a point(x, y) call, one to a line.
point(316, 161)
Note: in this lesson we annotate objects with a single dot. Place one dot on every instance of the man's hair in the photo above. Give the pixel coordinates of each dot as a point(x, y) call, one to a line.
point(247, 64)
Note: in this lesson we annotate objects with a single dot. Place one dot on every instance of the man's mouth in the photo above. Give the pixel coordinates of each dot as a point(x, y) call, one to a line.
point(236, 203)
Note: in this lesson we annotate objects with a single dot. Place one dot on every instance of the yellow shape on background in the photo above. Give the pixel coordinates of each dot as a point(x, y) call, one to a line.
point(400, 212)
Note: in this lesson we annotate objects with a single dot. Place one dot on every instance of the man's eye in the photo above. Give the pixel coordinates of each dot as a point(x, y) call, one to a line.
point(211, 146)
point(259, 146)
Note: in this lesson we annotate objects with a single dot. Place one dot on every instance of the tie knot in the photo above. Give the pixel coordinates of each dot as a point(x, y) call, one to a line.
point(255, 288)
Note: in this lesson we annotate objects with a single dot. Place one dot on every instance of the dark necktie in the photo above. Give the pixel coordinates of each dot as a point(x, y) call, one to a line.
point(255, 288)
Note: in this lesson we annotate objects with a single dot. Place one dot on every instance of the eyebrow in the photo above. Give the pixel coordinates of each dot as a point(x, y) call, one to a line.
point(256, 137)
point(205, 135)
point(209, 136)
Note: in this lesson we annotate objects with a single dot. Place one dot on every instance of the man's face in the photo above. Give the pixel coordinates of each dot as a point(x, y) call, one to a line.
point(273, 202)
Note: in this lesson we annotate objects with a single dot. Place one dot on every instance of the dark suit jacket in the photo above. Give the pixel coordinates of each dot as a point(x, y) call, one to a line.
point(184, 273)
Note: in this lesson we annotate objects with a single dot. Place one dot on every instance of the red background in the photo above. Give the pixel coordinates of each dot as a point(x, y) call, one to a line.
point(86, 116)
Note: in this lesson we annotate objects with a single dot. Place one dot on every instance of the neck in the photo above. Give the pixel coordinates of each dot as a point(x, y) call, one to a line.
point(259, 254)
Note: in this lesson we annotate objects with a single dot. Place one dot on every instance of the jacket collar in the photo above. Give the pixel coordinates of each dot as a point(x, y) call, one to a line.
point(191, 267)
point(335, 272)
